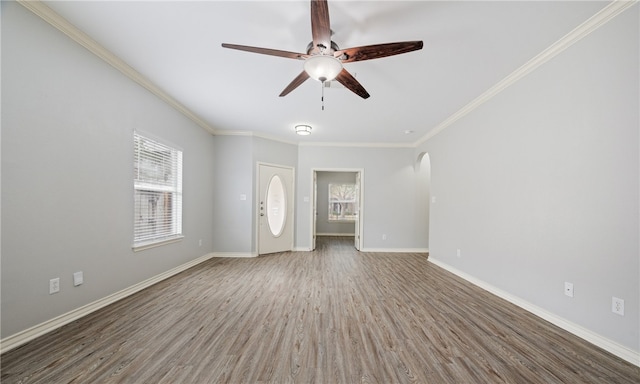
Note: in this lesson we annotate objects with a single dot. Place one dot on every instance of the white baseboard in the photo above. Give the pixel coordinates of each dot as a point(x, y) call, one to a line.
point(609, 345)
point(374, 250)
point(29, 334)
point(396, 250)
point(234, 254)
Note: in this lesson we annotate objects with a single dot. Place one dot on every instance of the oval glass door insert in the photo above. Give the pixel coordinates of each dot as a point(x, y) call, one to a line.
point(276, 206)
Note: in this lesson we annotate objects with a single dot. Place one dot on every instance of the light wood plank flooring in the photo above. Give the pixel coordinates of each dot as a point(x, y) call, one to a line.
point(329, 316)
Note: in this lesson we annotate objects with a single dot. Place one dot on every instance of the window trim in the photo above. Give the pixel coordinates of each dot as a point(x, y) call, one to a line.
point(141, 246)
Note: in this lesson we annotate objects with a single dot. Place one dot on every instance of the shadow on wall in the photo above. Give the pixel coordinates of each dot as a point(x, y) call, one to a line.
point(425, 200)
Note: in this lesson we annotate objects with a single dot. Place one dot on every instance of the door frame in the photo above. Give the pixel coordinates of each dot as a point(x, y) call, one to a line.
point(313, 206)
point(292, 198)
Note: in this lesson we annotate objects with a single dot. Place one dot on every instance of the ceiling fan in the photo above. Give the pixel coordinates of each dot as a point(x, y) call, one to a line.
point(324, 59)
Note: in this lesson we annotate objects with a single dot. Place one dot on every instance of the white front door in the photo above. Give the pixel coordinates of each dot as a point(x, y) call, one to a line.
point(275, 209)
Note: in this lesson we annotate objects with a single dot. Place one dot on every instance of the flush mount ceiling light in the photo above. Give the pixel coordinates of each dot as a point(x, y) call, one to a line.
point(303, 130)
point(322, 67)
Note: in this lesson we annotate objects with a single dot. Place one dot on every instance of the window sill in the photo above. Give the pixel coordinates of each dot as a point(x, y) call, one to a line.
point(156, 243)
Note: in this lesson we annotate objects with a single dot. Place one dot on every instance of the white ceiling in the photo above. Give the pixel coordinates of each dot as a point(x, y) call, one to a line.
point(469, 46)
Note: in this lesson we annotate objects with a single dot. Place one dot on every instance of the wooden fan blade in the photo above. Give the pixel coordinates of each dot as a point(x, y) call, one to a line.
point(320, 24)
point(376, 51)
point(267, 51)
point(301, 78)
point(350, 82)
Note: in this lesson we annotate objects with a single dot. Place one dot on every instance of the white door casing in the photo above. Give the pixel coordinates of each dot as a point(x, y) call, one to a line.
point(358, 236)
point(314, 218)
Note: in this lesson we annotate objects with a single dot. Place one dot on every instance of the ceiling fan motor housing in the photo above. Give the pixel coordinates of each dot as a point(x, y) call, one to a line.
point(321, 50)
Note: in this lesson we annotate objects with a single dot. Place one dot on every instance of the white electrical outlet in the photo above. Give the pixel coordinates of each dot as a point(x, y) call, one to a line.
point(568, 289)
point(458, 252)
point(78, 278)
point(617, 306)
point(384, 237)
point(54, 285)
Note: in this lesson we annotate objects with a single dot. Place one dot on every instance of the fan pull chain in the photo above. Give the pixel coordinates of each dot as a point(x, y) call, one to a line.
point(322, 97)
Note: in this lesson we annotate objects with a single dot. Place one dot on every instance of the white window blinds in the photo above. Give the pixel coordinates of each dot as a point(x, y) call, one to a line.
point(157, 180)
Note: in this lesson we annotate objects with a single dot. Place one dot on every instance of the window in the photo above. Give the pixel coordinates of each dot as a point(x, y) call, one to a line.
point(157, 181)
point(343, 202)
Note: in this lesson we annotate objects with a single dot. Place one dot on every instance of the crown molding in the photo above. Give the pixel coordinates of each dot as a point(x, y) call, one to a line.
point(357, 145)
point(607, 13)
point(274, 138)
point(234, 133)
point(255, 134)
point(60, 23)
point(313, 144)
point(610, 11)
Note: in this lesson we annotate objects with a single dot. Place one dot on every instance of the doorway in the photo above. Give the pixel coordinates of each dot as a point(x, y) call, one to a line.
point(275, 208)
point(337, 201)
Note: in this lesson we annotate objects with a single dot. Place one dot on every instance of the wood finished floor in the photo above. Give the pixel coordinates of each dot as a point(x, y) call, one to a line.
point(329, 316)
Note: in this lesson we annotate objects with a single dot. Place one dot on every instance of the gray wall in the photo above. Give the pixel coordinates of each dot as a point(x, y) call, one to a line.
point(323, 226)
point(539, 185)
point(67, 174)
point(232, 230)
point(235, 170)
point(390, 194)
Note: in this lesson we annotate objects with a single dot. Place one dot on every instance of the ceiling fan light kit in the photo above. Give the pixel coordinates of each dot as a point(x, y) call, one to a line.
point(322, 67)
point(324, 59)
point(303, 130)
